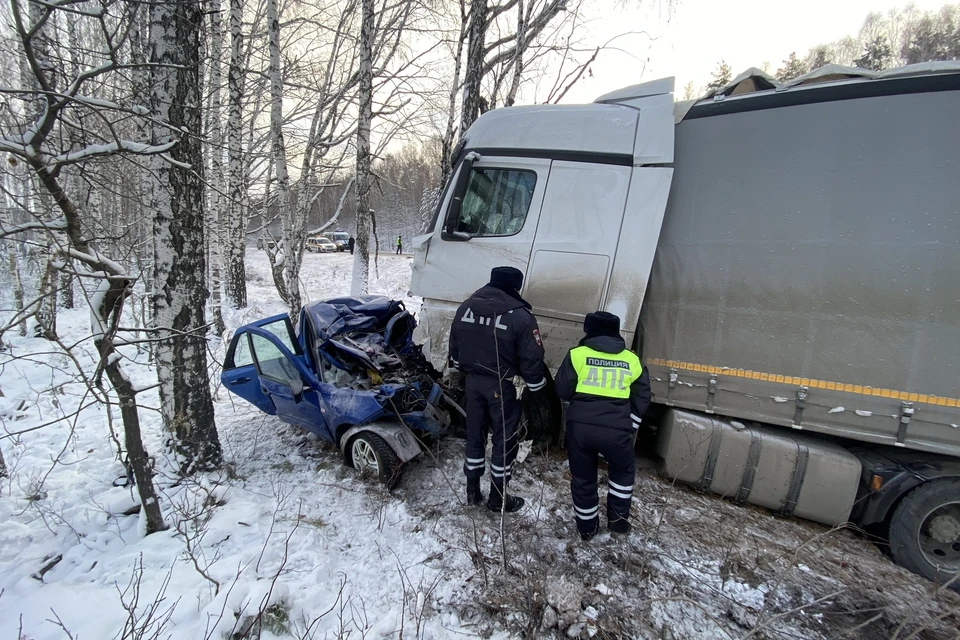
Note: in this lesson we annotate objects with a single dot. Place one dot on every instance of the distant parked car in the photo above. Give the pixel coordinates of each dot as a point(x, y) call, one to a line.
point(351, 374)
point(321, 244)
point(339, 238)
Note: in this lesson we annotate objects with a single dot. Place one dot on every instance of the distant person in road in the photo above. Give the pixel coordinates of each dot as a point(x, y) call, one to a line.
point(495, 337)
point(608, 391)
point(350, 244)
point(399, 245)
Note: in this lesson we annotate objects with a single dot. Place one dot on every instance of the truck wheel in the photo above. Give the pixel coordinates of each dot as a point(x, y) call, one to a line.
point(925, 531)
point(369, 454)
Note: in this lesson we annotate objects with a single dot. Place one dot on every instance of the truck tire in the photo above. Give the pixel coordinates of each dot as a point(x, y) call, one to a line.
point(925, 531)
point(370, 454)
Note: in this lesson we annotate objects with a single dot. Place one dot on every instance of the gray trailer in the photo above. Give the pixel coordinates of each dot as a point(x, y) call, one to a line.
point(801, 316)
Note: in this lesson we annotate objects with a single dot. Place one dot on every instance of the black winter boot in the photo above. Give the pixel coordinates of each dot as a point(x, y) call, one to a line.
point(497, 502)
point(585, 530)
point(474, 495)
point(620, 526)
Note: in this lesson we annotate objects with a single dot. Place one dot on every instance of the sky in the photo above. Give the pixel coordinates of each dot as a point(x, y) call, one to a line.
point(690, 40)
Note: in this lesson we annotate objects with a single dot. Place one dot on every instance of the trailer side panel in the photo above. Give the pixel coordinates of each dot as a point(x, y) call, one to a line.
point(807, 270)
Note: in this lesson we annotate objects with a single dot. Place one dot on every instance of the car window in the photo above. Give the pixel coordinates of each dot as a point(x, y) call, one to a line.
point(273, 364)
point(496, 202)
point(241, 355)
point(279, 329)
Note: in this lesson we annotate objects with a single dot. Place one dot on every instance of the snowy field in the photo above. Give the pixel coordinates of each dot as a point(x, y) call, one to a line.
point(285, 542)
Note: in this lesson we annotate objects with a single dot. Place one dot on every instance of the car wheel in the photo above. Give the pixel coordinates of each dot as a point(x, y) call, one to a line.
point(369, 454)
point(925, 531)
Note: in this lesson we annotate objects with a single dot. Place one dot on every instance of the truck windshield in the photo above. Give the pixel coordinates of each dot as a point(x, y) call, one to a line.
point(496, 202)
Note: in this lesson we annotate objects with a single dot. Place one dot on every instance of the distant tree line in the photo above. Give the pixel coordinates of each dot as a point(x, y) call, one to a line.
point(900, 37)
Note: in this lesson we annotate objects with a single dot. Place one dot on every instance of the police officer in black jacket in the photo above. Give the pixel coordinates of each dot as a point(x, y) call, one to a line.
point(608, 391)
point(495, 337)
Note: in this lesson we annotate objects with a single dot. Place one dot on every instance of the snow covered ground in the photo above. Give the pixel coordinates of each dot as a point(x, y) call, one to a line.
point(286, 542)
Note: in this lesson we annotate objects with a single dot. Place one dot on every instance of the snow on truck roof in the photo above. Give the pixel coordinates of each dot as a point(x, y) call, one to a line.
point(608, 127)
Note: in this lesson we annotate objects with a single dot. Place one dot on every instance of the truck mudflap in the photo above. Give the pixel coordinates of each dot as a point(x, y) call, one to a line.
point(890, 474)
point(789, 473)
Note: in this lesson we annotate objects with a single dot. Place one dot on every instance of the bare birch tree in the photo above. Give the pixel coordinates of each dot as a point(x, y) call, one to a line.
point(215, 132)
point(497, 47)
point(236, 275)
point(57, 139)
point(361, 259)
point(179, 250)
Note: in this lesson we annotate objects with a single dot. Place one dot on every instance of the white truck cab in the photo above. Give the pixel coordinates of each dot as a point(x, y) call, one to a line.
point(573, 196)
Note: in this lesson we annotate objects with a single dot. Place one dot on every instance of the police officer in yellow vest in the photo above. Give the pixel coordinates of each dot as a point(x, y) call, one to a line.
point(608, 391)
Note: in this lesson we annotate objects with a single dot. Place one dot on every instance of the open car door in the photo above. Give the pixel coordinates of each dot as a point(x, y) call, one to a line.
point(288, 383)
point(240, 372)
point(281, 376)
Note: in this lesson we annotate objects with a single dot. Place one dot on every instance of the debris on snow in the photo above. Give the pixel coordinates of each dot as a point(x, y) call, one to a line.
point(550, 618)
point(564, 596)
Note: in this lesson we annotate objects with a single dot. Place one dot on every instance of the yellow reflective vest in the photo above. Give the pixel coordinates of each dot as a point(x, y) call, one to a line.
point(602, 374)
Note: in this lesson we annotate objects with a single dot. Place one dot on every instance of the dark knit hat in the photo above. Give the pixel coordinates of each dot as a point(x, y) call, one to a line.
point(601, 323)
point(509, 277)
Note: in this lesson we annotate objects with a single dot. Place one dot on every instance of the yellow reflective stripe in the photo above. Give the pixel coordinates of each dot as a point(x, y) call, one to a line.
point(864, 390)
point(608, 375)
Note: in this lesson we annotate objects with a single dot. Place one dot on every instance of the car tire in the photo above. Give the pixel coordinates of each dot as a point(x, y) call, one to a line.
point(370, 454)
point(925, 531)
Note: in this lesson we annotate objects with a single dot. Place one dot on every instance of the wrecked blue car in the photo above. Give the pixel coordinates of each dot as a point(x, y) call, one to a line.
point(350, 373)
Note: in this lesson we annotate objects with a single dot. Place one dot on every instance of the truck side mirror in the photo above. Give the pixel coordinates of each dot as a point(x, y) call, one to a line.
point(456, 201)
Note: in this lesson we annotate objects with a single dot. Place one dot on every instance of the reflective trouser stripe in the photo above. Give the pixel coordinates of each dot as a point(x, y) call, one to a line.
point(586, 514)
point(499, 472)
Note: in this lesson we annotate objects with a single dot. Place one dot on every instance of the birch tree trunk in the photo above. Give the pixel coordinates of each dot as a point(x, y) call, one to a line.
point(236, 238)
point(216, 163)
point(11, 246)
point(288, 286)
point(361, 258)
point(471, 106)
point(179, 259)
point(46, 311)
point(518, 59)
point(446, 149)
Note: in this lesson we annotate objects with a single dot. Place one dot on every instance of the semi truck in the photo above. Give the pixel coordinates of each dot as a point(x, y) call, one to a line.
point(784, 259)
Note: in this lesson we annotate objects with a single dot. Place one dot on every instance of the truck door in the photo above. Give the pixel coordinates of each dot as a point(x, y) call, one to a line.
point(493, 225)
point(574, 248)
point(594, 247)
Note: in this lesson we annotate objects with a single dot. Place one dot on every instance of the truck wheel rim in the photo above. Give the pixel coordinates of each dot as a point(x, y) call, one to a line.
point(364, 457)
point(939, 537)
